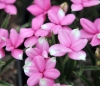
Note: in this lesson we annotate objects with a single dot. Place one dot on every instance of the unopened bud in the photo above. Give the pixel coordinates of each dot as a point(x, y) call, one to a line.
point(97, 53)
point(64, 6)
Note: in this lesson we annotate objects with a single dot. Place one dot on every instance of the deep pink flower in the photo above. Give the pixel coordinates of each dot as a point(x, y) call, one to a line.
point(42, 47)
point(40, 7)
point(3, 38)
point(71, 43)
point(91, 30)
point(80, 4)
point(28, 32)
point(8, 6)
point(58, 19)
point(39, 69)
point(13, 43)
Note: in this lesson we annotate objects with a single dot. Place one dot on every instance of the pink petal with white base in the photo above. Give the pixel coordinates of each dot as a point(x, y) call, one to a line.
point(95, 40)
point(26, 32)
point(17, 54)
point(32, 52)
point(46, 82)
point(56, 29)
point(79, 45)
point(3, 33)
point(47, 26)
point(85, 34)
point(79, 55)
point(91, 3)
point(42, 44)
point(60, 14)
point(13, 36)
point(34, 79)
point(41, 33)
point(75, 35)
point(51, 63)
point(2, 5)
point(67, 29)
point(37, 22)
point(36, 11)
point(2, 53)
point(64, 38)
point(30, 41)
point(88, 26)
point(40, 63)
point(11, 9)
point(68, 19)
point(52, 73)
point(58, 50)
point(97, 24)
point(76, 7)
point(53, 17)
point(10, 1)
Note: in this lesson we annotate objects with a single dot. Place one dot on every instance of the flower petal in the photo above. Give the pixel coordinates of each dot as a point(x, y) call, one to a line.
point(77, 1)
point(51, 63)
point(17, 54)
point(42, 44)
point(79, 45)
point(11, 9)
point(2, 5)
point(79, 55)
point(37, 22)
point(97, 24)
point(32, 52)
point(68, 19)
point(40, 63)
point(10, 1)
point(52, 73)
point(58, 50)
point(76, 7)
point(30, 41)
point(36, 11)
point(34, 79)
point(2, 53)
point(88, 26)
point(26, 32)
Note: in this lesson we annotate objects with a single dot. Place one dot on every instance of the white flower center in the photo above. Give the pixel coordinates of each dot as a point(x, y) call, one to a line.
point(98, 35)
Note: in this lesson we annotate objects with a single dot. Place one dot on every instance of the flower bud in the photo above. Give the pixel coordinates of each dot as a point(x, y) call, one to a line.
point(64, 6)
point(97, 53)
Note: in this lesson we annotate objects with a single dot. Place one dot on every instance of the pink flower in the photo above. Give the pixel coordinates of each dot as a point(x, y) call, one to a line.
point(13, 43)
point(3, 38)
point(8, 6)
point(42, 47)
point(40, 7)
point(41, 70)
point(71, 43)
point(28, 32)
point(58, 19)
point(80, 4)
point(58, 84)
point(91, 31)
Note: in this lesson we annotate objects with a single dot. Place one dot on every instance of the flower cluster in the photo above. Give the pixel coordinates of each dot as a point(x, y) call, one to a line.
point(40, 64)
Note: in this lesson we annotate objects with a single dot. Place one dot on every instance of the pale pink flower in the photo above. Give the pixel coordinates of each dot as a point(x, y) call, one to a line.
point(39, 7)
point(3, 38)
point(8, 6)
point(91, 30)
point(41, 70)
point(13, 43)
point(58, 84)
point(58, 19)
point(71, 43)
point(34, 32)
point(41, 48)
point(80, 4)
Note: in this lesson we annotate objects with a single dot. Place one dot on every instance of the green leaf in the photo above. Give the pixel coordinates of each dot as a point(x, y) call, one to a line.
point(2, 83)
point(5, 23)
point(83, 78)
point(2, 63)
point(26, 25)
point(7, 63)
point(53, 39)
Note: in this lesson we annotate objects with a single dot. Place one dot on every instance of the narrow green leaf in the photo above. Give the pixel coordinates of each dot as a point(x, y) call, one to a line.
point(7, 63)
point(53, 39)
point(91, 68)
point(5, 23)
point(2, 83)
point(26, 25)
point(83, 78)
point(2, 63)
